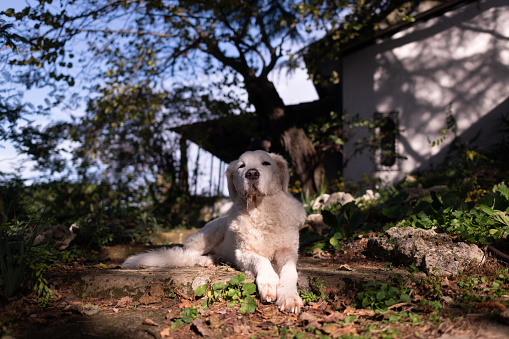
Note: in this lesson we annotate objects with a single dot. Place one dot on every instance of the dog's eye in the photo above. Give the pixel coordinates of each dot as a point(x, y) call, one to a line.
point(266, 163)
point(242, 166)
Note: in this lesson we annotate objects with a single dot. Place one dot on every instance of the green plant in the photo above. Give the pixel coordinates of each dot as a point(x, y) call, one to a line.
point(188, 314)
point(233, 293)
point(308, 296)
point(484, 222)
point(381, 295)
point(14, 251)
point(349, 219)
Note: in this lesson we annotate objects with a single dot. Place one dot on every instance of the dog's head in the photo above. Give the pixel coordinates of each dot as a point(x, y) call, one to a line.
point(257, 174)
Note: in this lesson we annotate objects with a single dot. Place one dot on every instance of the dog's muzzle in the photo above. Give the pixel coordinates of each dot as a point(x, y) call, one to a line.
point(252, 174)
point(252, 181)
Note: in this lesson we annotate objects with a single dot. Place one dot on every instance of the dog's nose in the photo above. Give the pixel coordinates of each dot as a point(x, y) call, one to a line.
point(252, 174)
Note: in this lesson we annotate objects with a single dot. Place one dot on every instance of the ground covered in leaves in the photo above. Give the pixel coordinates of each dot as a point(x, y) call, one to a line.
point(469, 305)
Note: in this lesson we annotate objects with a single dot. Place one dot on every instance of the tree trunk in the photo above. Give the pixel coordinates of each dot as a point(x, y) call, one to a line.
point(287, 138)
point(183, 173)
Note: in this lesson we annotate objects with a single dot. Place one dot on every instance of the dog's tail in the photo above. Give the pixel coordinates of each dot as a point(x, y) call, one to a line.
point(167, 257)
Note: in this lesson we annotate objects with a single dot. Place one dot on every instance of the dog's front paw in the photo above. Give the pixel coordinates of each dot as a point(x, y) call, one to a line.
point(267, 286)
point(290, 302)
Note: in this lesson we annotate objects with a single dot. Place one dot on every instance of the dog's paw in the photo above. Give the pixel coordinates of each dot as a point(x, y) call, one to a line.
point(206, 261)
point(290, 302)
point(267, 286)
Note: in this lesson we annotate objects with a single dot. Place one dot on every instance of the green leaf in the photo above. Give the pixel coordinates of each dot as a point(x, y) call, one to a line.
point(500, 218)
point(502, 189)
point(236, 280)
point(350, 318)
point(219, 286)
point(248, 305)
point(330, 219)
point(249, 288)
point(200, 290)
point(486, 209)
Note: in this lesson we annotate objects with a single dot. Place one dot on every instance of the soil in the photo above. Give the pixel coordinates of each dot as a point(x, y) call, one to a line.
point(74, 314)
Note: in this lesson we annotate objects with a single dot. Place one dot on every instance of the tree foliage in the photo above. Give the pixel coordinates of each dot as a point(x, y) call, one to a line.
point(131, 49)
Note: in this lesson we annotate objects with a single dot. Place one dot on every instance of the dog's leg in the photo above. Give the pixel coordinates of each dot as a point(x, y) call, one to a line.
point(285, 262)
point(201, 244)
point(266, 278)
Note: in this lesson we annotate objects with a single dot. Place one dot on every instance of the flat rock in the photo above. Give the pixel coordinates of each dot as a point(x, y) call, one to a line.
point(313, 275)
point(432, 252)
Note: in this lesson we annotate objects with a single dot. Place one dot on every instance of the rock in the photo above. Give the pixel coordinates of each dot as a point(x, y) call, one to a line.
point(369, 195)
point(319, 202)
point(341, 198)
point(430, 251)
point(316, 223)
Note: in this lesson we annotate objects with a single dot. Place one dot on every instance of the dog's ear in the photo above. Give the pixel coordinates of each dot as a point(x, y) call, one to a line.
point(229, 176)
point(282, 171)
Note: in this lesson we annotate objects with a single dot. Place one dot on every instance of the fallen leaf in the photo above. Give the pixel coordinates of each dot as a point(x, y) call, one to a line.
point(306, 316)
point(349, 310)
point(334, 317)
point(153, 294)
point(165, 332)
point(336, 330)
point(320, 305)
point(149, 322)
point(201, 327)
point(319, 253)
point(90, 309)
point(185, 304)
point(241, 329)
point(362, 312)
point(215, 321)
point(398, 305)
point(345, 268)
point(124, 302)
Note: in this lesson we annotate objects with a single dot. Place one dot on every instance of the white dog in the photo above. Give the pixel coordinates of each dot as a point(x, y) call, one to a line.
point(260, 234)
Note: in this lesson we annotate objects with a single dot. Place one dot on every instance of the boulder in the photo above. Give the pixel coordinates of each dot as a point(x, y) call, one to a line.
point(341, 198)
point(315, 221)
point(319, 202)
point(431, 252)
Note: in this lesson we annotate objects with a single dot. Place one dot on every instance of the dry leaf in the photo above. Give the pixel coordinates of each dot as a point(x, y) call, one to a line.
point(334, 317)
point(152, 295)
point(150, 322)
point(349, 310)
point(336, 330)
point(124, 302)
point(306, 316)
point(241, 329)
point(165, 332)
point(185, 304)
point(362, 312)
point(201, 327)
point(345, 268)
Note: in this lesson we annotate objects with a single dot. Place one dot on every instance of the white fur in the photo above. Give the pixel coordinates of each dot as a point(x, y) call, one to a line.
point(260, 234)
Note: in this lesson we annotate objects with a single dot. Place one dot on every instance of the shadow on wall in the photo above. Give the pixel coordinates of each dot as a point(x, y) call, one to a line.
point(460, 58)
point(482, 136)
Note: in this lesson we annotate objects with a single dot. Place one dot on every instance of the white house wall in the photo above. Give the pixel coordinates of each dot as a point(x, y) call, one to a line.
point(460, 57)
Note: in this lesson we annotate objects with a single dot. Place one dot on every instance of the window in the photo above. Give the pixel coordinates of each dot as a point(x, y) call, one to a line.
point(386, 134)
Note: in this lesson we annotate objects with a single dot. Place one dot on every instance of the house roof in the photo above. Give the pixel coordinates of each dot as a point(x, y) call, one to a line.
point(323, 58)
point(423, 13)
point(230, 136)
point(225, 137)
